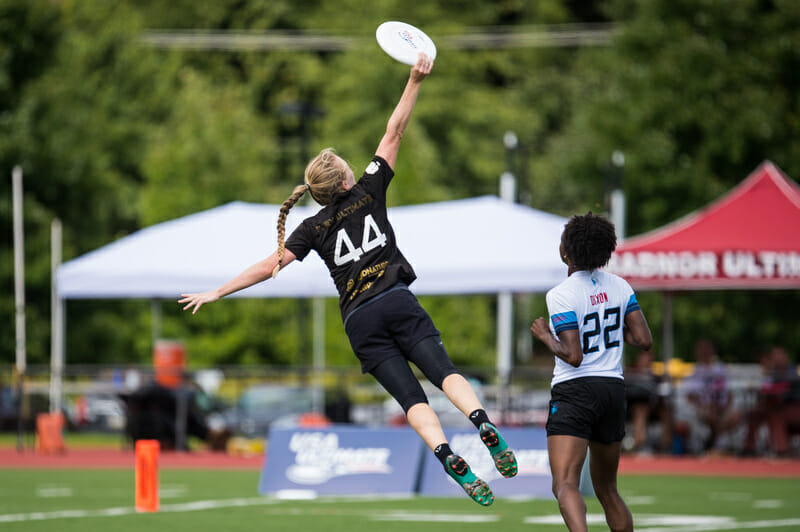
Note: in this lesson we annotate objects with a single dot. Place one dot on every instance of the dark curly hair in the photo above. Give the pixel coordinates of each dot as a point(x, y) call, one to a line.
point(589, 240)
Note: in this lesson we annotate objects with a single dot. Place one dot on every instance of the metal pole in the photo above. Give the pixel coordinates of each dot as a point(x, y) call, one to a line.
point(505, 300)
point(667, 331)
point(19, 293)
point(156, 319)
point(19, 269)
point(617, 195)
point(56, 321)
point(318, 350)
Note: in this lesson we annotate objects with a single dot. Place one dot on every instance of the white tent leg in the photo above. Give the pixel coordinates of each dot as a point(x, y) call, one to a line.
point(505, 337)
point(156, 320)
point(318, 351)
point(669, 340)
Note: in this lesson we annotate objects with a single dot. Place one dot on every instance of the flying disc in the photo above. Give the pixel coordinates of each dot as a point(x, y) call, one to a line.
point(403, 42)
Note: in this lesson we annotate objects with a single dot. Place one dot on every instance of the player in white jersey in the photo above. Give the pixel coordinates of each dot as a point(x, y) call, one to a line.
point(592, 313)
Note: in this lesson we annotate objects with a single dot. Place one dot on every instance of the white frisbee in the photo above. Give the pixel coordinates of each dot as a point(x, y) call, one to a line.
point(403, 42)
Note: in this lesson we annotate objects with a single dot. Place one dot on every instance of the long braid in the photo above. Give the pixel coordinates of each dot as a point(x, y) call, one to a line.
point(323, 178)
point(297, 193)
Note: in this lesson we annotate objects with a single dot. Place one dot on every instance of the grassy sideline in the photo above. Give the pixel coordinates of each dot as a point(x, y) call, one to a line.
point(72, 439)
point(83, 440)
point(28, 499)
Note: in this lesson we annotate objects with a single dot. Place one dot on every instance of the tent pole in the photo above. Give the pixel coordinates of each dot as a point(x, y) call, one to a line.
point(667, 331)
point(668, 349)
point(156, 319)
point(505, 333)
point(505, 300)
point(318, 350)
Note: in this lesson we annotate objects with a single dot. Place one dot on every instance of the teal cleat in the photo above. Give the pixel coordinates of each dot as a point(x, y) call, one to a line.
point(476, 488)
point(503, 457)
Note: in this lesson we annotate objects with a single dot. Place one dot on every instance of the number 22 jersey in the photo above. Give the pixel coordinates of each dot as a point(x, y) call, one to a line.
point(596, 303)
point(355, 239)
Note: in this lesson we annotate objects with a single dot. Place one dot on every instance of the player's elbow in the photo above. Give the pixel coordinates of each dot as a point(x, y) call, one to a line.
point(575, 359)
point(394, 133)
point(644, 340)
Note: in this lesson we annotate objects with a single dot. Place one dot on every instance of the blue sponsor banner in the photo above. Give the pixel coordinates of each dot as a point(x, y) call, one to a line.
point(533, 478)
point(342, 460)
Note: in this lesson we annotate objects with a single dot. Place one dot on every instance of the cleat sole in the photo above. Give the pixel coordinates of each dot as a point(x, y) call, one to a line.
point(504, 460)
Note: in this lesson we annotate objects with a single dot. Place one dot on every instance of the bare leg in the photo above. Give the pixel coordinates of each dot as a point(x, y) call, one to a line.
point(603, 463)
point(567, 454)
point(639, 413)
point(460, 393)
point(423, 420)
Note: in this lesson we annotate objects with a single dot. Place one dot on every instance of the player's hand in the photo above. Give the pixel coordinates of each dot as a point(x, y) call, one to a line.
point(422, 68)
point(540, 329)
point(195, 301)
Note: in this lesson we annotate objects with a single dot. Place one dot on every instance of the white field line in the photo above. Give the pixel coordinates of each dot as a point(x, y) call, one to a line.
point(736, 525)
point(430, 517)
point(127, 510)
point(676, 523)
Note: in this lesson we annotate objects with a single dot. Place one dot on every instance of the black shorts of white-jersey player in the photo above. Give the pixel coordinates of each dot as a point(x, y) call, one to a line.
point(593, 312)
point(386, 325)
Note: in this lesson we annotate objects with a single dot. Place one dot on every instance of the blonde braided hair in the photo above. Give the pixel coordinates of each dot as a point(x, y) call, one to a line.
point(323, 178)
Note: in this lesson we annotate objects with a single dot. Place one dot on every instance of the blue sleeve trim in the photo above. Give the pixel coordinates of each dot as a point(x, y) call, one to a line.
point(564, 321)
point(633, 304)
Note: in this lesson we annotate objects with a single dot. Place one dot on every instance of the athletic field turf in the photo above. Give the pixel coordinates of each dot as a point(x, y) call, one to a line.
point(223, 500)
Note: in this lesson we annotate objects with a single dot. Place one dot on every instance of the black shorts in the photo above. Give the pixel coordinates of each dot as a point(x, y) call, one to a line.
point(386, 326)
point(592, 408)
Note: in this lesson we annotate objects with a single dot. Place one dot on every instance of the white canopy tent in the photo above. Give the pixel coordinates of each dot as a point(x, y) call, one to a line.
point(472, 246)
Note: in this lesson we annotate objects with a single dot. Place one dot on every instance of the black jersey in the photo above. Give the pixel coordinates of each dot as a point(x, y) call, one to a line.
point(355, 239)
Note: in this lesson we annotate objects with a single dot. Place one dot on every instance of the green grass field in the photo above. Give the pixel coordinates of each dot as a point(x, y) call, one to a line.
point(81, 500)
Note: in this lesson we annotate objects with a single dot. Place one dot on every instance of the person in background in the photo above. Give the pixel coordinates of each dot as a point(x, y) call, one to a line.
point(592, 314)
point(782, 400)
point(710, 400)
point(647, 401)
point(385, 323)
point(757, 414)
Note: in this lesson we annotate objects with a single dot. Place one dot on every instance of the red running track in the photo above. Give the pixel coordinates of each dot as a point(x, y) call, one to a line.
point(629, 465)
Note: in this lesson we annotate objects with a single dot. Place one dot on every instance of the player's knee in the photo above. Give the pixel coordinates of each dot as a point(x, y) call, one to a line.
point(431, 358)
point(411, 399)
point(562, 486)
point(605, 492)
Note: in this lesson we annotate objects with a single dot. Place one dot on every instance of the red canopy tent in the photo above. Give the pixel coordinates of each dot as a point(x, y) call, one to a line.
point(747, 239)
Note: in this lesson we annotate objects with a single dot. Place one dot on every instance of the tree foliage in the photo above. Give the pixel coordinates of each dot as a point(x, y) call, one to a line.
point(114, 135)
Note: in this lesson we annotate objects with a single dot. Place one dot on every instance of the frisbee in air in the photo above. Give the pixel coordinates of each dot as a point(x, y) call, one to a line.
point(403, 42)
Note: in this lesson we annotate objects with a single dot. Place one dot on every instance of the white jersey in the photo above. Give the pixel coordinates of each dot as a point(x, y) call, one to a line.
point(595, 303)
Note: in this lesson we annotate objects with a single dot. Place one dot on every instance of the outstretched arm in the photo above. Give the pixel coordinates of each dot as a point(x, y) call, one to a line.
point(390, 143)
point(258, 272)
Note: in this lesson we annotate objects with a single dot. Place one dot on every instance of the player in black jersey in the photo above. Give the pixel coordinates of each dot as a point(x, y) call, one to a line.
point(386, 325)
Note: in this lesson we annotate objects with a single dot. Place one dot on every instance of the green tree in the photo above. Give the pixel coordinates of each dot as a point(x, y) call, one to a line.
point(696, 95)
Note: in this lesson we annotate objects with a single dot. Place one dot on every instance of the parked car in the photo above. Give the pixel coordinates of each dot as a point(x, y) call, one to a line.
point(98, 411)
point(261, 405)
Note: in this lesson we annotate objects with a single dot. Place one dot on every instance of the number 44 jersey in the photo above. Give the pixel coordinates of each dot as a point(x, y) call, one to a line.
point(595, 303)
point(355, 239)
